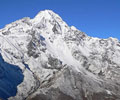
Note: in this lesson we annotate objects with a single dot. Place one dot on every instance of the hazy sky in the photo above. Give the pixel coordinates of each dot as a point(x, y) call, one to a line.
point(98, 18)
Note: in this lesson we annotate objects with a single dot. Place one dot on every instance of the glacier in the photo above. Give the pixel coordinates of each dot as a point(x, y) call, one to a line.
point(49, 60)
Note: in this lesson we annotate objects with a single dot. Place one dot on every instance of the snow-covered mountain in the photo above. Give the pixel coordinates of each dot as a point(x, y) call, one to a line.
point(45, 59)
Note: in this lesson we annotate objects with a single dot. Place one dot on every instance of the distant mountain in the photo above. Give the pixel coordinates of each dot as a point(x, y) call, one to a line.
point(45, 59)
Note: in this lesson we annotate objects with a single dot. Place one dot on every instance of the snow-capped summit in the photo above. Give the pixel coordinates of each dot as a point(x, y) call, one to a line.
point(47, 14)
point(56, 62)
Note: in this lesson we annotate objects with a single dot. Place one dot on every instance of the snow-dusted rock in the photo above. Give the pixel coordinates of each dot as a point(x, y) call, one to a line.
point(59, 62)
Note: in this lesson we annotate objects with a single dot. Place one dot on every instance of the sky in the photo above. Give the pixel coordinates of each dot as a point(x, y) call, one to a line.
point(97, 18)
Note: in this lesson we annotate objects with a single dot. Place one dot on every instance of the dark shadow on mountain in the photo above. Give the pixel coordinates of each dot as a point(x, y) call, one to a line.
point(10, 77)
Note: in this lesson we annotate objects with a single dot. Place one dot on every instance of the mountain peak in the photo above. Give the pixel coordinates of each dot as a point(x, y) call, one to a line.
point(50, 20)
point(46, 14)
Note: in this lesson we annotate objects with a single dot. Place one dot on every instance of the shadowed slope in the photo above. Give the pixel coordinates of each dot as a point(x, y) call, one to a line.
point(10, 77)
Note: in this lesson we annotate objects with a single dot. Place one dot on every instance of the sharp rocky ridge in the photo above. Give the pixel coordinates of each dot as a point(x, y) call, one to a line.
point(58, 62)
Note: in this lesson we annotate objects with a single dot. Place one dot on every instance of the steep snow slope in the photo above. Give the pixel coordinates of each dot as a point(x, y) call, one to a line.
point(60, 62)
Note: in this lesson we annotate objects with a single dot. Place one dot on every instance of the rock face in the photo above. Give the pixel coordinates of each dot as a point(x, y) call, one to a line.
point(58, 62)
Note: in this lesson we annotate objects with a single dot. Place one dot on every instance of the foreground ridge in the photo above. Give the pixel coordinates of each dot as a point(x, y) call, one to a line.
point(57, 62)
